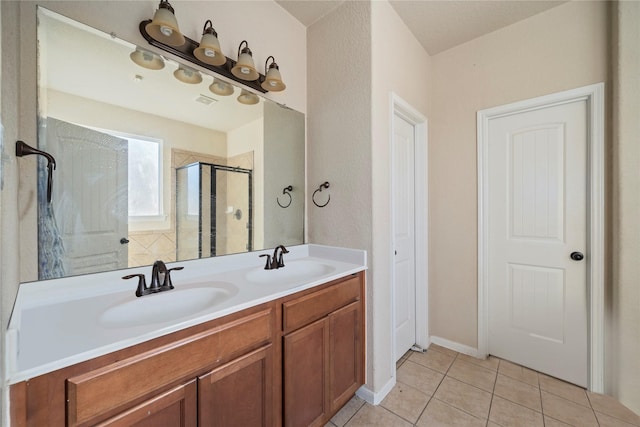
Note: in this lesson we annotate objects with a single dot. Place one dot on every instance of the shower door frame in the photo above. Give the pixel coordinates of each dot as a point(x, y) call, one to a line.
point(213, 204)
point(212, 220)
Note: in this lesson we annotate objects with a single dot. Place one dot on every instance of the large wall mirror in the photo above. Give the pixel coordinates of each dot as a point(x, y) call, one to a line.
point(150, 163)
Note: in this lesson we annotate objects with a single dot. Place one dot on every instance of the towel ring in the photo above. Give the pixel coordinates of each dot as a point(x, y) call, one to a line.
point(313, 196)
point(286, 190)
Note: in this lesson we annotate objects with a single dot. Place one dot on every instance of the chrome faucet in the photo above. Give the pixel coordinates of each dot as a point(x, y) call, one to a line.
point(160, 279)
point(274, 262)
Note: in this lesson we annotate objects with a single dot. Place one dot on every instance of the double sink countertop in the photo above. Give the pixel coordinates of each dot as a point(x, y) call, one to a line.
point(60, 322)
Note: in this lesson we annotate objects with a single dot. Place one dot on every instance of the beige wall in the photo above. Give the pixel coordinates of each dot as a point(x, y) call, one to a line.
point(392, 44)
point(348, 145)
point(623, 349)
point(339, 139)
point(563, 48)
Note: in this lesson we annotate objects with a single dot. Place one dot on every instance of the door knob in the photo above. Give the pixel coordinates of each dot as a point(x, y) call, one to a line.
point(577, 256)
point(124, 241)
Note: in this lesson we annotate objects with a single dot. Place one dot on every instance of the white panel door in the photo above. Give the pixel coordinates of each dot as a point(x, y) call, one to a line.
point(537, 219)
point(90, 196)
point(404, 235)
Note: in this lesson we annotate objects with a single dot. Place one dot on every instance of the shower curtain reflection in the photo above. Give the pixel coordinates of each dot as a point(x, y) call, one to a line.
point(213, 210)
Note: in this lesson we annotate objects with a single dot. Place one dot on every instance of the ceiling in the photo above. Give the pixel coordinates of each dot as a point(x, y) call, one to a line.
point(437, 24)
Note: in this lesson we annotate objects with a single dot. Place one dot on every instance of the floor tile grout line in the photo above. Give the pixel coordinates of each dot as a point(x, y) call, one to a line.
point(493, 393)
point(596, 412)
point(397, 415)
point(475, 365)
point(425, 408)
point(544, 423)
point(497, 372)
point(458, 409)
point(364, 403)
point(455, 379)
point(438, 386)
point(466, 383)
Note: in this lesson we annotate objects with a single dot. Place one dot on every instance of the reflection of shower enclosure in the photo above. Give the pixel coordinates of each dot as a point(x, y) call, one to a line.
point(213, 210)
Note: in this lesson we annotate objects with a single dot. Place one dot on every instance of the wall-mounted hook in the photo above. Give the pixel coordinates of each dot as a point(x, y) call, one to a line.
point(22, 149)
point(325, 185)
point(286, 191)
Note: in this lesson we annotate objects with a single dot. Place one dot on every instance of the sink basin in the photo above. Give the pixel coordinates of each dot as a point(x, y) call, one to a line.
point(166, 306)
point(292, 273)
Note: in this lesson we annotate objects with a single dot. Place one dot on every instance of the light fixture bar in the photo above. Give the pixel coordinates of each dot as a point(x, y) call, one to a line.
point(186, 52)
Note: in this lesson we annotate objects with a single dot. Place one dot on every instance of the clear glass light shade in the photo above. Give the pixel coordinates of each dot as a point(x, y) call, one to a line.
point(209, 50)
point(164, 28)
point(187, 75)
point(245, 69)
point(273, 80)
point(146, 59)
point(248, 98)
point(220, 87)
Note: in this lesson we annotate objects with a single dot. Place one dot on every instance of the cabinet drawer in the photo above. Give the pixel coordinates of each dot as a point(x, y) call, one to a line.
point(304, 310)
point(94, 395)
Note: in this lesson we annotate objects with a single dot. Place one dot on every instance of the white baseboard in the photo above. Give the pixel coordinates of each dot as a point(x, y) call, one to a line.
point(460, 348)
point(374, 398)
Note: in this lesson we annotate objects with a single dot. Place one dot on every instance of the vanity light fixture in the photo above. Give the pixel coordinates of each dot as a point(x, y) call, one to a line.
point(161, 31)
point(164, 26)
point(208, 51)
point(220, 87)
point(272, 80)
point(187, 75)
point(147, 59)
point(248, 98)
point(244, 68)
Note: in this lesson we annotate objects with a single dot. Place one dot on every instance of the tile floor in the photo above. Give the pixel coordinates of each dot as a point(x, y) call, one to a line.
point(444, 388)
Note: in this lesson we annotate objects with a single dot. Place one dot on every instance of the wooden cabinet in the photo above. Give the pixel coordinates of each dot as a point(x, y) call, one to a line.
point(238, 394)
point(323, 359)
point(162, 381)
point(294, 361)
point(346, 355)
point(174, 408)
point(306, 354)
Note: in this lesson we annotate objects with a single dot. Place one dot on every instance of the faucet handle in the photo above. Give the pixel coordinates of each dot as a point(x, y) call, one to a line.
point(268, 265)
point(142, 283)
point(167, 277)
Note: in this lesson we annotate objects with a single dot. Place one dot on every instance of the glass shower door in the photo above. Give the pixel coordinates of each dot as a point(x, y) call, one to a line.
point(214, 210)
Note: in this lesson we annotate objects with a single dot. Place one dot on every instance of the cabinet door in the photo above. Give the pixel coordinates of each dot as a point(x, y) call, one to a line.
point(345, 350)
point(238, 394)
point(305, 375)
point(176, 407)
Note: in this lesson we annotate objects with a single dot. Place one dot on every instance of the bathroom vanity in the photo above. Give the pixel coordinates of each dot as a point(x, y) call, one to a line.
point(269, 347)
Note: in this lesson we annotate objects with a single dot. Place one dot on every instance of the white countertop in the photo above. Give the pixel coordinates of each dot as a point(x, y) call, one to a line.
point(61, 322)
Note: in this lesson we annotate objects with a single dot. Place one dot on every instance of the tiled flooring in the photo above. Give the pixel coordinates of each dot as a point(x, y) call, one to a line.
point(445, 388)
